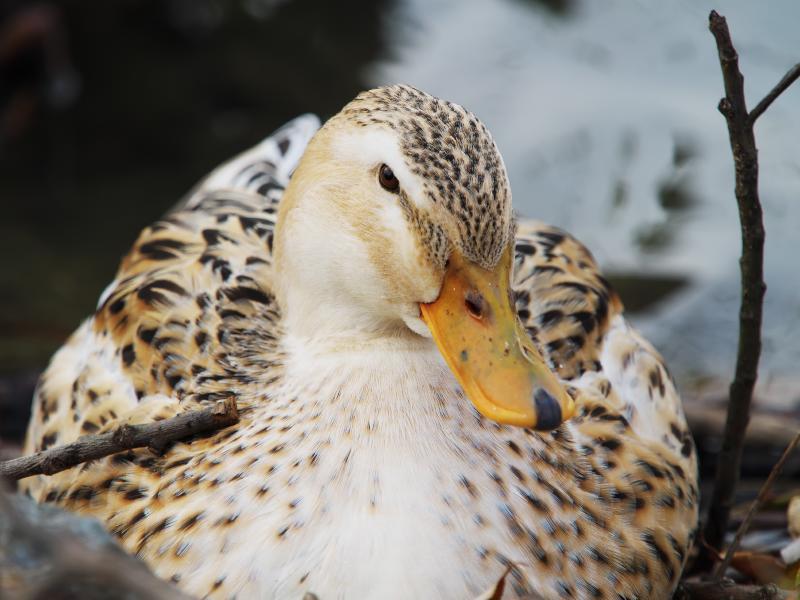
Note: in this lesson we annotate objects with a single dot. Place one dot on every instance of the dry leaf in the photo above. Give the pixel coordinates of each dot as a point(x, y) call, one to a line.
point(764, 569)
point(793, 516)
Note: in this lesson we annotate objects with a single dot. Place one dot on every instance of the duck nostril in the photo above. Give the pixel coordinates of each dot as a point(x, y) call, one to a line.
point(475, 304)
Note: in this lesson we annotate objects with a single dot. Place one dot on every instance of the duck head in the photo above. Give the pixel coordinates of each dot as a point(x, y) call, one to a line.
point(398, 222)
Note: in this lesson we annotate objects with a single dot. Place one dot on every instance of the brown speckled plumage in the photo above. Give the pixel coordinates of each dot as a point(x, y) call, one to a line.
point(323, 487)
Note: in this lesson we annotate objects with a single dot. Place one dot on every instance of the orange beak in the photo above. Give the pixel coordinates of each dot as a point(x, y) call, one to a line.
point(477, 331)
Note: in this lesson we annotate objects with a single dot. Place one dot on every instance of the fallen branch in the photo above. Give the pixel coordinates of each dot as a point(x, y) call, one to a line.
point(743, 146)
point(126, 437)
point(762, 494)
point(706, 418)
point(727, 590)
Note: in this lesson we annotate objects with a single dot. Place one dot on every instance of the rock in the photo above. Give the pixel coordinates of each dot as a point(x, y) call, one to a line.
point(48, 553)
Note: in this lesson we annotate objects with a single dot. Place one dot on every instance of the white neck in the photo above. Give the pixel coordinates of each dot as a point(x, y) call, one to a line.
point(321, 322)
point(347, 359)
point(385, 394)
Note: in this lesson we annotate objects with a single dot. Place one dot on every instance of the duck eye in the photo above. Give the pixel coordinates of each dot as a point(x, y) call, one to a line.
point(387, 179)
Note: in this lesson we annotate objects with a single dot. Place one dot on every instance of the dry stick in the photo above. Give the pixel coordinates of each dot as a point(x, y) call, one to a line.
point(762, 495)
point(783, 84)
point(743, 145)
point(126, 437)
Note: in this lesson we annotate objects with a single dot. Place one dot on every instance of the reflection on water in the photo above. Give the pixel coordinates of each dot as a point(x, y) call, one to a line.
point(605, 113)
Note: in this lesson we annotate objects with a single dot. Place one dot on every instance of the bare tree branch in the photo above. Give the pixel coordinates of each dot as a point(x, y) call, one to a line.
point(743, 146)
point(154, 435)
point(787, 80)
point(762, 494)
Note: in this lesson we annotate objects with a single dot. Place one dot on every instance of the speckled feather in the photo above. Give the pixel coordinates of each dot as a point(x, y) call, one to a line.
point(318, 490)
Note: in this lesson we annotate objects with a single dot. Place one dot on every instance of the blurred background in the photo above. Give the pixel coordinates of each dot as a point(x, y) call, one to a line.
point(605, 114)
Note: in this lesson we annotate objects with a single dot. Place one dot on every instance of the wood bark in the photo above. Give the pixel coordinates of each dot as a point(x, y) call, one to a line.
point(745, 157)
point(154, 435)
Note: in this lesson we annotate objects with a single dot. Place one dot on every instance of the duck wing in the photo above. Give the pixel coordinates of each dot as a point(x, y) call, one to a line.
point(577, 319)
point(175, 329)
point(629, 423)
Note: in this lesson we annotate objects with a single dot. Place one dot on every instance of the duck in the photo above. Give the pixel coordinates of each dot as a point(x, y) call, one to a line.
point(434, 393)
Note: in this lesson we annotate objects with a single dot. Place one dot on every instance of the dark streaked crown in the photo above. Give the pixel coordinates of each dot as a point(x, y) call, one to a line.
point(456, 158)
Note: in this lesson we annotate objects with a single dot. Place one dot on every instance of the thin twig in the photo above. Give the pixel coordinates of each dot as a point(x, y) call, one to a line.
point(787, 80)
point(126, 437)
point(762, 495)
point(743, 146)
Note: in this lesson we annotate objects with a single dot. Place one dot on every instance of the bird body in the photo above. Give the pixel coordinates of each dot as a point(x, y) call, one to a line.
point(360, 467)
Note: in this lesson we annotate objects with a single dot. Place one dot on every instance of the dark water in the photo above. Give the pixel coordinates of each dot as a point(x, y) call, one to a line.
point(605, 113)
point(164, 91)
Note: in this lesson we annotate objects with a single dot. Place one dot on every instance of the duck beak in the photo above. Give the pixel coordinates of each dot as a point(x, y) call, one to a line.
point(477, 331)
